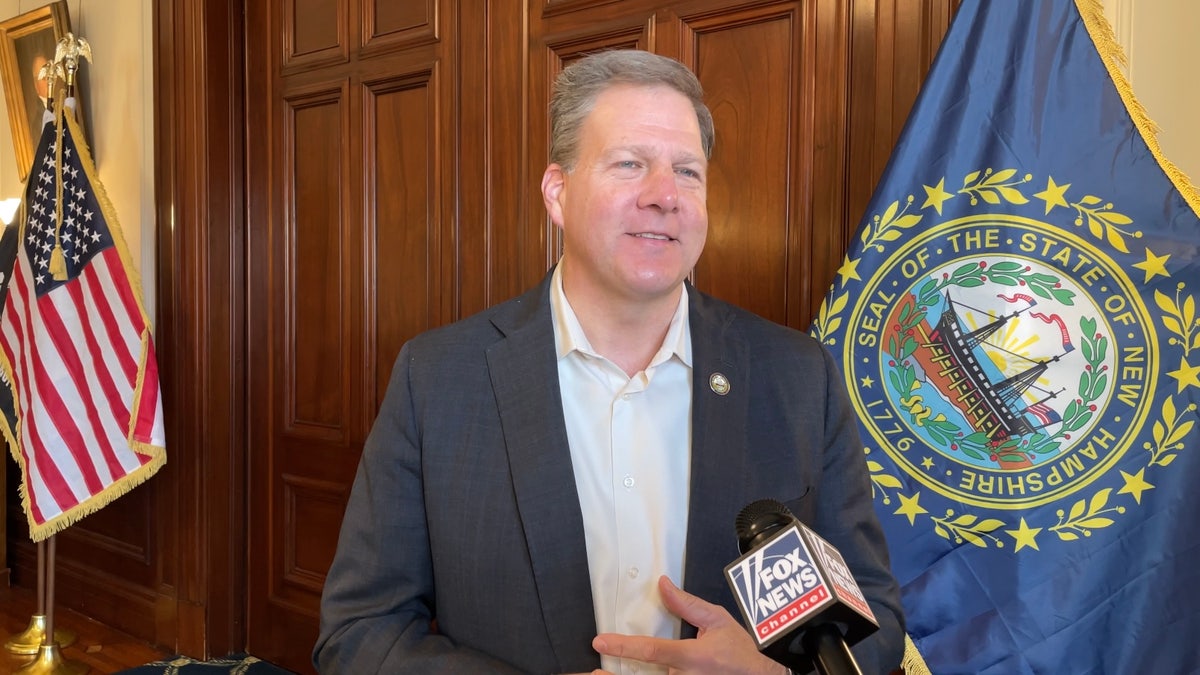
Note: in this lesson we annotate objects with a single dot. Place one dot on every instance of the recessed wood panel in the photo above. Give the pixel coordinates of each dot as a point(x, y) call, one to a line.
point(749, 71)
point(314, 294)
point(314, 32)
point(312, 517)
point(402, 215)
point(392, 24)
point(553, 7)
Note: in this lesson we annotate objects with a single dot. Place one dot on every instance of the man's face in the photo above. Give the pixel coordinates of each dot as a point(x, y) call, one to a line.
point(633, 210)
point(41, 85)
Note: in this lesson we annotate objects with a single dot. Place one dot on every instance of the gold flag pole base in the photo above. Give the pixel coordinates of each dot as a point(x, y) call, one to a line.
point(50, 661)
point(30, 641)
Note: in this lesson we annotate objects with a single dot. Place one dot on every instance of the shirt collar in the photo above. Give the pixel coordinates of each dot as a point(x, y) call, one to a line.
point(569, 335)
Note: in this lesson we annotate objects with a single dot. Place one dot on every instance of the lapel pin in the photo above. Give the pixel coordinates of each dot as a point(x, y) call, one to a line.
point(719, 384)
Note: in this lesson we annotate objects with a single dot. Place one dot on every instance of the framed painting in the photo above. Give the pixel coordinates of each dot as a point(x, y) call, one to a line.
point(27, 42)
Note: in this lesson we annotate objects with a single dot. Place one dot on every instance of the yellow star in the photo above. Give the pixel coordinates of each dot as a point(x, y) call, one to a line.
point(1135, 485)
point(849, 270)
point(1025, 536)
point(936, 196)
point(927, 463)
point(1186, 375)
point(1153, 265)
point(867, 382)
point(1053, 195)
point(909, 507)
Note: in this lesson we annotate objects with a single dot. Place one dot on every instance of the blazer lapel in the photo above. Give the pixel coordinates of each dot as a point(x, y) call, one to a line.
point(524, 375)
point(719, 359)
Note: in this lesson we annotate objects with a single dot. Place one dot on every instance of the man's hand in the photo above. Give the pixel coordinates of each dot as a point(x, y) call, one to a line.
point(722, 645)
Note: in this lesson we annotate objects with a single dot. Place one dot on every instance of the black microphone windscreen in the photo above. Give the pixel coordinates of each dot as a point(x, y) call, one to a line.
point(758, 520)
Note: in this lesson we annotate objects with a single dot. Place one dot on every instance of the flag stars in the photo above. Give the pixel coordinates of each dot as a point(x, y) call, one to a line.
point(1153, 266)
point(1053, 195)
point(1025, 536)
point(910, 507)
point(849, 270)
point(936, 196)
point(1186, 375)
point(1135, 485)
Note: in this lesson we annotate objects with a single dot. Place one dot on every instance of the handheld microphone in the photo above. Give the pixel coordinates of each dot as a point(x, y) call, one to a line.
point(796, 593)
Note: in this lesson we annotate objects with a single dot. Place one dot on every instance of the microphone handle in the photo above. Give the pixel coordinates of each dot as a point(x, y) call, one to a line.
point(830, 654)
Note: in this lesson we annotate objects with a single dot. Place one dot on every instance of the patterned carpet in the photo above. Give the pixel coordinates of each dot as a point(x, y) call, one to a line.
point(234, 664)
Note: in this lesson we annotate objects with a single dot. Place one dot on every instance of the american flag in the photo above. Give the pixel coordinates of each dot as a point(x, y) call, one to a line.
point(76, 347)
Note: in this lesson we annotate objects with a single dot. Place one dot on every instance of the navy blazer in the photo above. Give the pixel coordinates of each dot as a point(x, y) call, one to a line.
point(464, 513)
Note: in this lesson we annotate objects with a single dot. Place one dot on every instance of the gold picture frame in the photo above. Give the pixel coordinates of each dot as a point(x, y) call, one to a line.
point(24, 41)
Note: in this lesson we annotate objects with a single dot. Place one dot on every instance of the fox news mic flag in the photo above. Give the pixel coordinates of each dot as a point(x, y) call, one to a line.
point(76, 348)
point(1017, 322)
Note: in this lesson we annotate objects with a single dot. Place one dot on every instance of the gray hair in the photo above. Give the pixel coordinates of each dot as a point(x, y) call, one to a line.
point(579, 84)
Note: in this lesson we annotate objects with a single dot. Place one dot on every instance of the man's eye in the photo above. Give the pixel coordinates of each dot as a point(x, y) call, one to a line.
point(690, 173)
point(627, 164)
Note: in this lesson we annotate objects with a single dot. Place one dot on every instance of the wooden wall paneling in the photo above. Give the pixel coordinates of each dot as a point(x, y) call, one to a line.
point(354, 193)
point(389, 25)
point(492, 157)
point(893, 43)
point(749, 61)
point(404, 230)
point(315, 33)
point(199, 120)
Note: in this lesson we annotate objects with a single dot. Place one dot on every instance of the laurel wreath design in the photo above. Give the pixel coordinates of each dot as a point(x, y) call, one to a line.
point(1103, 222)
point(1179, 317)
point(992, 187)
point(1085, 515)
point(890, 226)
point(969, 528)
point(1169, 433)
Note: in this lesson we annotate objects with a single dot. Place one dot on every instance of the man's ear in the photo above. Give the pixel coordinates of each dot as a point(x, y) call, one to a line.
point(554, 182)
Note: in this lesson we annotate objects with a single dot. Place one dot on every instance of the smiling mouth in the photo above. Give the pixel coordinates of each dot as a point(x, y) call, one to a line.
point(651, 235)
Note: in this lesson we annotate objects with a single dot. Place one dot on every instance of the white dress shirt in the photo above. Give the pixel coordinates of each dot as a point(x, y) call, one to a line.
point(630, 440)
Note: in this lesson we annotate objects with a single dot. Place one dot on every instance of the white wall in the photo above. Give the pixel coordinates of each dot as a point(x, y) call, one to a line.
point(121, 122)
point(1161, 39)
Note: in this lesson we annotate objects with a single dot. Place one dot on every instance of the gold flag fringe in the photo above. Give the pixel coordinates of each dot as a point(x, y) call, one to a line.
point(913, 663)
point(1113, 57)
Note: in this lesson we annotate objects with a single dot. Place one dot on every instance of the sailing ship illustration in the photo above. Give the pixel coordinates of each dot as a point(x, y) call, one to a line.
point(953, 357)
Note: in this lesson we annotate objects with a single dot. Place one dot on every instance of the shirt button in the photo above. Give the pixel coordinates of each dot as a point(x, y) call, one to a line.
point(633, 572)
point(628, 482)
point(625, 397)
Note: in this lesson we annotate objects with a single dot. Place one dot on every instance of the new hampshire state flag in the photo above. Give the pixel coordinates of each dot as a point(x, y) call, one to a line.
point(1017, 322)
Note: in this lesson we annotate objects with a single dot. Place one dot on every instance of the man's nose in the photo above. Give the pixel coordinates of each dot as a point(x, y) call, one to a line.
point(660, 191)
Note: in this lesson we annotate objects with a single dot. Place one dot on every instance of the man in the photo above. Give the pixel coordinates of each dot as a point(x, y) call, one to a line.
point(544, 477)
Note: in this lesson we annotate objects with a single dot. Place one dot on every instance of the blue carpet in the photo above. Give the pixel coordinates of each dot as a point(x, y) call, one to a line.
point(235, 664)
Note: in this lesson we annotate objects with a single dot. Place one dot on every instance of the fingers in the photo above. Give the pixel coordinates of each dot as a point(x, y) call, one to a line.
point(696, 611)
point(639, 647)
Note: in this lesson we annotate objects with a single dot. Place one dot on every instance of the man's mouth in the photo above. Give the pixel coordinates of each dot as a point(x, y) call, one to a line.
point(651, 235)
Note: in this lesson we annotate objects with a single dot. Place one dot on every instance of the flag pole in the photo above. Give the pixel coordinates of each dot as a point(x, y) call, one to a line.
point(30, 640)
point(50, 660)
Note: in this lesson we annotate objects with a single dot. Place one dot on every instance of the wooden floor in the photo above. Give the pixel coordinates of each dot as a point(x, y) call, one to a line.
point(97, 647)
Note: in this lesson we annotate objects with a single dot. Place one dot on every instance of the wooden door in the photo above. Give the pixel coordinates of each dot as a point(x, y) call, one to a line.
point(393, 156)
